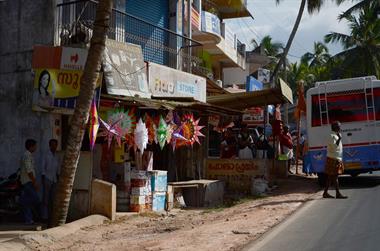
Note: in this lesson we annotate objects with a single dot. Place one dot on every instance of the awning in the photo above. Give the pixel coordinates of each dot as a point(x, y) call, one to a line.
point(245, 100)
point(187, 104)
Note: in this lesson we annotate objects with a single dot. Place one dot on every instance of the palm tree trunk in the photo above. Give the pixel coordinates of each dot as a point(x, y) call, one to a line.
point(81, 113)
point(290, 41)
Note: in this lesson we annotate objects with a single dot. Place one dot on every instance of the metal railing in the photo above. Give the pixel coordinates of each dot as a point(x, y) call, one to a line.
point(159, 45)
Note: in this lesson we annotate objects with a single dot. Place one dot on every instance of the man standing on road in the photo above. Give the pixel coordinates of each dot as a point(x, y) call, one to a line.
point(334, 163)
point(287, 145)
point(29, 199)
point(50, 172)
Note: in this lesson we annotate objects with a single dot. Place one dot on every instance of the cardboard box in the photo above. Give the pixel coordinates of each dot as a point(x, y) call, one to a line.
point(140, 175)
point(137, 200)
point(158, 201)
point(140, 191)
point(159, 180)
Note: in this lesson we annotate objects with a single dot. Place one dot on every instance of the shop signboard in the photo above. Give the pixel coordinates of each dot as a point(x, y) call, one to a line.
point(125, 70)
point(210, 23)
point(168, 82)
point(263, 75)
point(57, 90)
point(73, 58)
point(254, 116)
point(253, 84)
point(236, 173)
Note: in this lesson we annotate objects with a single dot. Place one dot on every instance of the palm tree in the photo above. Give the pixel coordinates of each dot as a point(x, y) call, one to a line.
point(312, 6)
point(273, 50)
point(357, 7)
point(318, 57)
point(81, 113)
point(361, 55)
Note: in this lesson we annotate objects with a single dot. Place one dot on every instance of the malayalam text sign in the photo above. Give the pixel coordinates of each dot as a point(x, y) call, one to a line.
point(236, 173)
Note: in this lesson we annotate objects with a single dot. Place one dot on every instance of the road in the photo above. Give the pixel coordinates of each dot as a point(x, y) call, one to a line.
point(331, 224)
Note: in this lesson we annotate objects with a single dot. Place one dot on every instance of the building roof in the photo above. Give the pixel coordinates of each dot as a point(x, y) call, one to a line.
point(245, 100)
point(171, 103)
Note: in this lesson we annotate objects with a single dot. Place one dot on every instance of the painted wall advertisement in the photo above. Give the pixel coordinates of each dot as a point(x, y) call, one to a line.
point(168, 82)
point(254, 116)
point(236, 173)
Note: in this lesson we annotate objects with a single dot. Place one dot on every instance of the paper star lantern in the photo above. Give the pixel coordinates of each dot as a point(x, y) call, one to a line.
point(162, 132)
point(151, 128)
point(127, 119)
point(191, 129)
point(141, 136)
point(94, 124)
point(111, 131)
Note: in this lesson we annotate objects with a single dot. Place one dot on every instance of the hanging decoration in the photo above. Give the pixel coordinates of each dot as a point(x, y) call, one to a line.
point(127, 119)
point(191, 129)
point(141, 136)
point(94, 124)
point(111, 131)
point(162, 132)
point(150, 125)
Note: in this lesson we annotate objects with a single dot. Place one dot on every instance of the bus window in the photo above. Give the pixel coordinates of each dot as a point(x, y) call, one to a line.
point(347, 107)
point(315, 112)
point(376, 94)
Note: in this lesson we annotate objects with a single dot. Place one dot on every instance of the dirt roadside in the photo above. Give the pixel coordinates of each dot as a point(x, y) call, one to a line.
point(211, 229)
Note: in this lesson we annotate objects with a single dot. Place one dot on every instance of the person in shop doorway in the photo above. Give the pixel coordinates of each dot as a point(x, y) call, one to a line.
point(50, 175)
point(287, 145)
point(334, 163)
point(261, 144)
point(29, 199)
point(228, 145)
point(245, 142)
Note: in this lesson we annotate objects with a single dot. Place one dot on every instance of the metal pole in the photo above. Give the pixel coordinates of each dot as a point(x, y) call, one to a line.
point(189, 10)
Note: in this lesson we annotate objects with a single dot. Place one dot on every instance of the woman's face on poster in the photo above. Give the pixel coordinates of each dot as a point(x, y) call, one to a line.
point(45, 81)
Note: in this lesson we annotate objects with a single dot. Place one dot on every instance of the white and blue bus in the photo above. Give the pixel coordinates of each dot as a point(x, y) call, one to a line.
point(355, 103)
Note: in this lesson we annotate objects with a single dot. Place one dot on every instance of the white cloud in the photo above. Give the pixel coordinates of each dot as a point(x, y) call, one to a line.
point(278, 21)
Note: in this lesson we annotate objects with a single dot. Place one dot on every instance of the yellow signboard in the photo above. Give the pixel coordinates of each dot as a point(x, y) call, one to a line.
point(237, 173)
point(54, 88)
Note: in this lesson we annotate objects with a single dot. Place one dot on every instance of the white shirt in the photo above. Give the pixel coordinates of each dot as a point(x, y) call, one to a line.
point(334, 151)
point(27, 166)
point(50, 166)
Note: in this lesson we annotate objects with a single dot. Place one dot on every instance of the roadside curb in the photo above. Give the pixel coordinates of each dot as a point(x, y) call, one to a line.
point(48, 236)
point(257, 243)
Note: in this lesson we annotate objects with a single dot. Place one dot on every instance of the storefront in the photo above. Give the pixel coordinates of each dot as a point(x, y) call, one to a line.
point(143, 132)
point(226, 165)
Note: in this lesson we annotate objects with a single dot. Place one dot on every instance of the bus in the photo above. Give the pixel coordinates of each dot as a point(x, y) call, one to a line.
point(355, 102)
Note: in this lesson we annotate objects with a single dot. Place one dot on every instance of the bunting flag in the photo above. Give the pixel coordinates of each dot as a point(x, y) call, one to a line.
point(94, 124)
point(301, 103)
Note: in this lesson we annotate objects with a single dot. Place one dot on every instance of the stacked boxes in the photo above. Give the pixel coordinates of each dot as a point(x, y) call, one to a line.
point(123, 187)
point(159, 181)
point(140, 199)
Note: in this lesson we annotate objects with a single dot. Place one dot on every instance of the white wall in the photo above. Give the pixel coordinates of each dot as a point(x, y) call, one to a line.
point(234, 75)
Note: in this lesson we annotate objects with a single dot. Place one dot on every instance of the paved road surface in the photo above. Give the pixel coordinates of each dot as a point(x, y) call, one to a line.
point(331, 224)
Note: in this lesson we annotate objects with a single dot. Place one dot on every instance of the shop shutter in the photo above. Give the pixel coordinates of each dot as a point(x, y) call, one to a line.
point(151, 39)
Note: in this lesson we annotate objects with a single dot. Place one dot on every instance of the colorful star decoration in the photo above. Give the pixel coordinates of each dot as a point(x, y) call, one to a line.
point(191, 129)
point(162, 132)
point(141, 136)
point(111, 131)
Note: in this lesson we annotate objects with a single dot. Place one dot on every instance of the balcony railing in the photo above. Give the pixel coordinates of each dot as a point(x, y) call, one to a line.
point(159, 45)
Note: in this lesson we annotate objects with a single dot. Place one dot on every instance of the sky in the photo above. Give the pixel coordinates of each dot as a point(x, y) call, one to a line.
point(278, 20)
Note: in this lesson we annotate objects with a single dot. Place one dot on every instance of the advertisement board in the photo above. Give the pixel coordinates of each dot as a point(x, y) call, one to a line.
point(253, 116)
point(55, 88)
point(210, 23)
point(168, 82)
point(125, 70)
point(236, 173)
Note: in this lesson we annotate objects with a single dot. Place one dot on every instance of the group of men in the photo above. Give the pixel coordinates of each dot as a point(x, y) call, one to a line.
point(31, 203)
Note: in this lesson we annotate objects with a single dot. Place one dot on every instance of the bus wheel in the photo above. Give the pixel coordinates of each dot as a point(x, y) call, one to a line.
point(321, 179)
point(354, 175)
